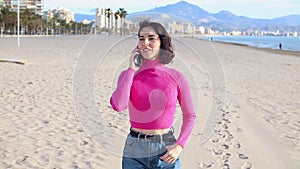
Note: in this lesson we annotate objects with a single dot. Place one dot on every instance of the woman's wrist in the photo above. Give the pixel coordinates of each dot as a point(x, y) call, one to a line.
point(178, 146)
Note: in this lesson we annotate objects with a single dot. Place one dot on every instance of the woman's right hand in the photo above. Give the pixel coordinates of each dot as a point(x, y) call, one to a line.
point(131, 59)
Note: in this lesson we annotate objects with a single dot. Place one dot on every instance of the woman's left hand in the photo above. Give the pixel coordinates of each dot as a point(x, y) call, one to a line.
point(172, 154)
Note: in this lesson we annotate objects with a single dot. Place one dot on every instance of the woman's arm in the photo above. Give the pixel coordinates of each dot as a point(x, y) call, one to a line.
point(189, 117)
point(188, 112)
point(120, 97)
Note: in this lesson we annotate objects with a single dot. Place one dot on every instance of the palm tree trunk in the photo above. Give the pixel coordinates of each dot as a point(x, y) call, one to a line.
point(116, 25)
point(121, 29)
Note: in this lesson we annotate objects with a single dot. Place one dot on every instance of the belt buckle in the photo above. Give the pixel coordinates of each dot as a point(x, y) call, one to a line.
point(138, 137)
point(146, 137)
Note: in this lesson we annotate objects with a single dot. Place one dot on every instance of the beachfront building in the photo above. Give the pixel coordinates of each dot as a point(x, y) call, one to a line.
point(189, 28)
point(201, 30)
point(295, 34)
point(86, 22)
point(105, 22)
point(236, 33)
point(60, 14)
point(36, 6)
point(180, 28)
point(174, 28)
point(100, 17)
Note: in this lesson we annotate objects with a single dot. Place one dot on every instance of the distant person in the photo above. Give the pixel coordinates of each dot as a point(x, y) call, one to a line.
point(150, 92)
point(280, 46)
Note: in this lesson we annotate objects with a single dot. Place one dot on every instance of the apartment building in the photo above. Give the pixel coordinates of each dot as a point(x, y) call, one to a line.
point(180, 28)
point(61, 14)
point(100, 17)
point(36, 6)
point(103, 21)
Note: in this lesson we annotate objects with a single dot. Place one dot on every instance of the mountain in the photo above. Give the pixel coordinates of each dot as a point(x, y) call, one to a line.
point(81, 17)
point(223, 20)
point(183, 10)
point(288, 20)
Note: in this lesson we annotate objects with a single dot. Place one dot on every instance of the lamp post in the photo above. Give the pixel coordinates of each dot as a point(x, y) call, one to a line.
point(18, 23)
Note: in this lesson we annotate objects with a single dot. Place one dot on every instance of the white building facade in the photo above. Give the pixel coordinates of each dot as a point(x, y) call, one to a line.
point(37, 6)
point(61, 14)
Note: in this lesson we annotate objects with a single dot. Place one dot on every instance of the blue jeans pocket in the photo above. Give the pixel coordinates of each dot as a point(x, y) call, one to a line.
point(135, 148)
point(165, 165)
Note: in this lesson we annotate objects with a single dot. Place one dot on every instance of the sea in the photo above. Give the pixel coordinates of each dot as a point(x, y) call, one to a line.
point(291, 43)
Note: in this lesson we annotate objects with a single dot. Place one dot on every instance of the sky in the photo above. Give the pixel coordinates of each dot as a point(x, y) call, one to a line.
point(267, 9)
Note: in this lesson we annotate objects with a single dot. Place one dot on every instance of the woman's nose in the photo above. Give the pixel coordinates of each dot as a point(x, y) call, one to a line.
point(146, 41)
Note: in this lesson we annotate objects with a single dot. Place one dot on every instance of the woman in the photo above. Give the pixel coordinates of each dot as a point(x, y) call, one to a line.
point(150, 92)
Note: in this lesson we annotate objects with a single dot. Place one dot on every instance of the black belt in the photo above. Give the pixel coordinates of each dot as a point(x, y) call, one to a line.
point(165, 137)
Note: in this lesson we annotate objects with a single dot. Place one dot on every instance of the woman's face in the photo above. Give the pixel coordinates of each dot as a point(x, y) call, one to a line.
point(149, 43)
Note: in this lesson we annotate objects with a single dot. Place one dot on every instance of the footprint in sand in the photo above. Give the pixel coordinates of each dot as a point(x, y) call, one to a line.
point(242, 156)
point(238, 129)
point(225, 166)
point(225, 146)
point(83, 143)
point(226, 157)
point(217, 152)
point(22, 161)
point(215, 140)
point(246, 165)
point(205, 165)
point(237, 145)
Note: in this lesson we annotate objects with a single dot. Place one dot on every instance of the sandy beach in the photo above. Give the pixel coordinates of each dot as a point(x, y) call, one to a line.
point(55, 111)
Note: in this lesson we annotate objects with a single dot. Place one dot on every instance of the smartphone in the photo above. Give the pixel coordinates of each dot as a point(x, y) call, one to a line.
point(138, 59)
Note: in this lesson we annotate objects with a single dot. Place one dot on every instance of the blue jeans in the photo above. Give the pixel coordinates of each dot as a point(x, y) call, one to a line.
point(142, 153)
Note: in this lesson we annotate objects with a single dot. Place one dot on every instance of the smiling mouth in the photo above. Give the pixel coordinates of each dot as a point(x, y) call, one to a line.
point(147, 50)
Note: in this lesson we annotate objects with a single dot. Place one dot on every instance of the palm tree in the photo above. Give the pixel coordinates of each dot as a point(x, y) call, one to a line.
point(123, 14)
point(62, 26)
point(36, 23)
point(73, 27)
point(117, 15)
point(108, 13)
point(26, 19)
point(10, 20)
point(55, 23)
point(1, 19)
point(7, 19)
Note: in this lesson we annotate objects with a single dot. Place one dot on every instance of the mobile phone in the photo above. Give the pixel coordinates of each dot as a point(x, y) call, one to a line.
point(138, 59)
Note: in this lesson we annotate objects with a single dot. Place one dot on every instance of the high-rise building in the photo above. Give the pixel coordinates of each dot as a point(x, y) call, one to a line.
point(102, 19)
point(35, 5)
point(61, 14)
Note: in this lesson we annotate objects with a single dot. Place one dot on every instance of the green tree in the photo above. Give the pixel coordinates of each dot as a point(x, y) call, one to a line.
point(123, 14)
point(73, 26)
point(25, 19)
point(8, 20)
point(108, 13)
point(35, 23)
point(1, 18)
point(117, 15)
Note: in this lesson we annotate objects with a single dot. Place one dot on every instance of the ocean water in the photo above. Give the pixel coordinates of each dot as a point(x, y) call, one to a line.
point(288, 43)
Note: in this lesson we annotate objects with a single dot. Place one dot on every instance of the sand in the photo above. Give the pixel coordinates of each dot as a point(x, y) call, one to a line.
point(55, 111)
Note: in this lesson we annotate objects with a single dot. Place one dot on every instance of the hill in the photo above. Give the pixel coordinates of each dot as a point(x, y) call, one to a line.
point(81, 17)
point(223, 20)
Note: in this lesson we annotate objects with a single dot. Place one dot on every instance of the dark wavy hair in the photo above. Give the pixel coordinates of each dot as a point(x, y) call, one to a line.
point(166, 53)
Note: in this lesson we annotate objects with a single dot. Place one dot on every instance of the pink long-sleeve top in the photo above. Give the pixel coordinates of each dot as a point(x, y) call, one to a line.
point(151, 95)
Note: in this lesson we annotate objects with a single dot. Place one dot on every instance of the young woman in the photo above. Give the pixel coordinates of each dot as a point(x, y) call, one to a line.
point(150, 92)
